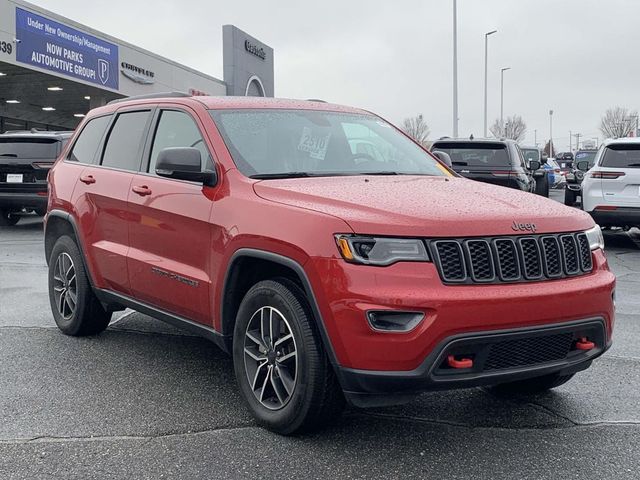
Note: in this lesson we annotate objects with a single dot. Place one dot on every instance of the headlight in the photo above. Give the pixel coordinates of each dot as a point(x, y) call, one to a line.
point(596, 240)
point(381, 251)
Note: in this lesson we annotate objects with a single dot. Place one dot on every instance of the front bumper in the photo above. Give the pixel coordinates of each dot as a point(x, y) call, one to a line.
point(346, 292)
point(498, 357)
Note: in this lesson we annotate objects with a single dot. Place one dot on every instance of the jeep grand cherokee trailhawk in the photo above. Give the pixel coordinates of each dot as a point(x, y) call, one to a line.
point(329, 254)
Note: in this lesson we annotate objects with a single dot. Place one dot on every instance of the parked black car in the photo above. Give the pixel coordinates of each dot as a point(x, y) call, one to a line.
point(575, 176)
point(565, 161)
point(25, 160)
point(499, 162)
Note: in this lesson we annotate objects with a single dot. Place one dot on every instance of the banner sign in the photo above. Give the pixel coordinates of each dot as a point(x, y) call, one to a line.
point(50, 45)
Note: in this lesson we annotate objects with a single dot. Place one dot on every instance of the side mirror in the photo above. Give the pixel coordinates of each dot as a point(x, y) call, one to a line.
point(443, 157)
point(183, 163)
point(583, 165)
point(534, 165)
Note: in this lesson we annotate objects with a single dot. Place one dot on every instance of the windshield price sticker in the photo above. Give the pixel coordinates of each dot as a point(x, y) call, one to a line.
point(314, 145)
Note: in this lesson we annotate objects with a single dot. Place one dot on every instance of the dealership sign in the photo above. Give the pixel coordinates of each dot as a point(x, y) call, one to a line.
point(56, 47)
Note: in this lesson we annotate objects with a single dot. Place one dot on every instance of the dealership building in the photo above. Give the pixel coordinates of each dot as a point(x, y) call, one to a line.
point(54, 70)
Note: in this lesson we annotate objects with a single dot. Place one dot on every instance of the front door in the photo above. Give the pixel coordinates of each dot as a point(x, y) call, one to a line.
point(170, 235)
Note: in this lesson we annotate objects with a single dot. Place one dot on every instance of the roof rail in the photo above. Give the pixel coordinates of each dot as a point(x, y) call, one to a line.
point(151, 95)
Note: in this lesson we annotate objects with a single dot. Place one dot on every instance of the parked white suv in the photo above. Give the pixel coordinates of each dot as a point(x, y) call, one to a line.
point(611, 188)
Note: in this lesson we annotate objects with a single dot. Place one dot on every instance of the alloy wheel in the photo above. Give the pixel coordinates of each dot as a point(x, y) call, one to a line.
point(270, 358)
point(65, 289)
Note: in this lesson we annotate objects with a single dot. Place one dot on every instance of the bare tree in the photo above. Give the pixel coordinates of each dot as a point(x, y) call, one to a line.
point(417, 129)
point(618, 122)
point(514, 128)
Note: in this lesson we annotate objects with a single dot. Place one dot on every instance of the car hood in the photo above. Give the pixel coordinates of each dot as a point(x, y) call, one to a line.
point(424, 206)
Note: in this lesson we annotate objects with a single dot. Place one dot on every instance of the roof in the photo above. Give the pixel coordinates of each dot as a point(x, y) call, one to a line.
point(232, 103)
point(474, 140)
point(38, 134)
point(614, 141)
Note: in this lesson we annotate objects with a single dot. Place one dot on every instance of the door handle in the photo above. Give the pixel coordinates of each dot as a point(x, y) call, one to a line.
point(141, 190)
point(88, 179)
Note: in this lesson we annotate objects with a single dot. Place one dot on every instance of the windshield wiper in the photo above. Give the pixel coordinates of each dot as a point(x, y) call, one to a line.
point(12, 155)
point(634, 165)
point(266, 176)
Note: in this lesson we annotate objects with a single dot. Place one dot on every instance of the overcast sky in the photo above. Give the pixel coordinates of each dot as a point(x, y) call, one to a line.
point(577, 57)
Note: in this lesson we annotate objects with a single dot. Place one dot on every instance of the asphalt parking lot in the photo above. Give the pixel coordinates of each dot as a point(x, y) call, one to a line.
point(143, 400)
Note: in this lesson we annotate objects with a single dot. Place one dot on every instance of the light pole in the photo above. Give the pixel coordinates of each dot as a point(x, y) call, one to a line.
point(551, 152)
point(486, 57)
point(502, 98)
point(535, 137)
point(455, 69)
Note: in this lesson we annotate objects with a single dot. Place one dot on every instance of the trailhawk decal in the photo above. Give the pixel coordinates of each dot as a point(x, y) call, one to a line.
point(175, 276)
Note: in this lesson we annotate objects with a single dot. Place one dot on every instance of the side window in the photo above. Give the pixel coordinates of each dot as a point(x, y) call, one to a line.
point(86, 146)
point(123, 145)
point(178, 129)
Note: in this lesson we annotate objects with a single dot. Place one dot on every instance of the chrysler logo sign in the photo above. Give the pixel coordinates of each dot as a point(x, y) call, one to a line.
point(255, 50)
point(137, 74)
point(524, 227)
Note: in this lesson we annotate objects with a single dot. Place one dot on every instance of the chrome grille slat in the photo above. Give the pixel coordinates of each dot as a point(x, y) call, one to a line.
point(512, 259)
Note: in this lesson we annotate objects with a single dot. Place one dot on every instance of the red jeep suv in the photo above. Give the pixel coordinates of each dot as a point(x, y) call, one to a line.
point(329, 254)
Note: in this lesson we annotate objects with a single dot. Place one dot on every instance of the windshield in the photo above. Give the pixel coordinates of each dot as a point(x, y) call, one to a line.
point(621, 156)
point(531, 154)
point(589, 156)
point(474, 154)
point(282, 143)
point(28, 148)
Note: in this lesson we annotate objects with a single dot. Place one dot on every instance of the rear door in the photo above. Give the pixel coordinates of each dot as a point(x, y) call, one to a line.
point(620, 167)
point(101, 197)
point(170, 235)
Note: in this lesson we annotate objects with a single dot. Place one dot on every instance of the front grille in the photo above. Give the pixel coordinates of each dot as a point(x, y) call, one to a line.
point(528, 351)
point(511, 259)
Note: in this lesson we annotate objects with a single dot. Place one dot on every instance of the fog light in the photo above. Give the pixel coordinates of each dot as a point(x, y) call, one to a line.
point(393, 321)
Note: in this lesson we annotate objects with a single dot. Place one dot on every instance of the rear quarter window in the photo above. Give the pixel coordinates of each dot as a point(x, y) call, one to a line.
point(86, 146)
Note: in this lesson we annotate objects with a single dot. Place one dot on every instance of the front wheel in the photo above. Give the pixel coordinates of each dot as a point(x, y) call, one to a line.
point(531, 385)
point(280, 365)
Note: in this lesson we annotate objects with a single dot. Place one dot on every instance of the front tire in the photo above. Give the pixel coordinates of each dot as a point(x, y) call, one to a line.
point(8, 219)
point(76, 310)
point(280, 364)
point(531, 386)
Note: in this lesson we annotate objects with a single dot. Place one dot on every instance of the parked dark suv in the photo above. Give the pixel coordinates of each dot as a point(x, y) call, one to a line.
point(500, 162)
point(25, 160)
point(329, 271)
point(575, 176)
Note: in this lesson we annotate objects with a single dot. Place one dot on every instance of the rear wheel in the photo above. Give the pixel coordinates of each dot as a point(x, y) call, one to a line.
point(7, 218)
point(531, 385)
point(280, 364)
point(76, 310)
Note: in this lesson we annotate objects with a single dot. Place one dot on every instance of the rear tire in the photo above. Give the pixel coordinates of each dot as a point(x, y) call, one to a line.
point(531, 386)
point(569, 197)
point(8, 219)
point(280, 364)
point(75, 308)
point(542, 186)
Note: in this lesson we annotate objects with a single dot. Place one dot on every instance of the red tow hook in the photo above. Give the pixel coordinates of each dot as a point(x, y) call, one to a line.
point(585, 344)
point(462, 363)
